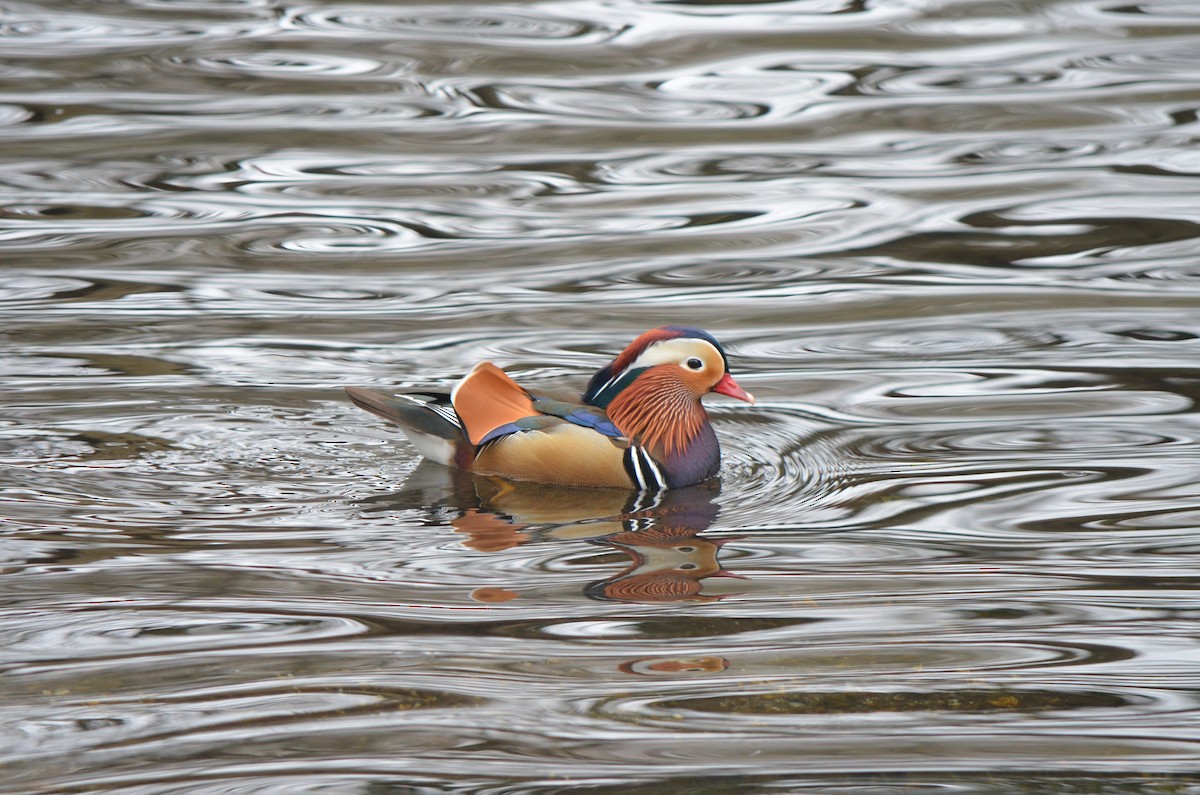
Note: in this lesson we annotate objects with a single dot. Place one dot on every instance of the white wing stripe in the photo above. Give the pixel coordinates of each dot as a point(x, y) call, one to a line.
point(445, 412)
point(448, 414)
point(659, 480)
point(636, 466)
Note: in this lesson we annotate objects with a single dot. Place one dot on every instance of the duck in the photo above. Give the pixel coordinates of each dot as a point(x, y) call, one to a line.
point(639, 423)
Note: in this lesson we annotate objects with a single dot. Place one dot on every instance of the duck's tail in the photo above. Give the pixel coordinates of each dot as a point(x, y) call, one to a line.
point(427, 418)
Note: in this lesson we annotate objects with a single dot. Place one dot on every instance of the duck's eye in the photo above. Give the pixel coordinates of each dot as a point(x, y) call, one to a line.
point(694, 363)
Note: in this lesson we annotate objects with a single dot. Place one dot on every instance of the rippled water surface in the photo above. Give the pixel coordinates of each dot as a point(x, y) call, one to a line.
point(950, 244)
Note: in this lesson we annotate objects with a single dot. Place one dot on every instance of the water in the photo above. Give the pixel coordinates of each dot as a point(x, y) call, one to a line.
point(950, 245)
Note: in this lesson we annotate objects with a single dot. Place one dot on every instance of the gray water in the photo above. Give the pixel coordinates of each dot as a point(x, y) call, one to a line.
point(950, 245)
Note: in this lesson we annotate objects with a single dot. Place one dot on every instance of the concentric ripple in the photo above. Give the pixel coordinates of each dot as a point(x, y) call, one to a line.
point(491, 25)
point(127, 632)
point(598, 104)
point(286, 65)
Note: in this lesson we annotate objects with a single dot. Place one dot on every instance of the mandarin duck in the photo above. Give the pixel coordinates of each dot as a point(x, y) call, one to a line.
point(640, 424)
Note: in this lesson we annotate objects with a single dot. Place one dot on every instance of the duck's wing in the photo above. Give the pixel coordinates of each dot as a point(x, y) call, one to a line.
point(549, 449)
point(578, 414)
point(491, 404)
point(491, 425)
point(526, 438)
point(487, 399)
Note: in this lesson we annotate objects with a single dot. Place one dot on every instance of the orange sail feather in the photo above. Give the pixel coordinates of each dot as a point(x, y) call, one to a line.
point(486, 398)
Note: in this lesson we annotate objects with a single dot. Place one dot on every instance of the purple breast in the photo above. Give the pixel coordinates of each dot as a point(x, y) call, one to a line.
point(699, 461)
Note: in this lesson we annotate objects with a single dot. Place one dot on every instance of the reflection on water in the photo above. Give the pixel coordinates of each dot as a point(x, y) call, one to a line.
point(951, 244)
point(659, 534)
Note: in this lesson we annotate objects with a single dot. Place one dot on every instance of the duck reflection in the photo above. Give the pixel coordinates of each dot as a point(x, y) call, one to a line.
point(661, 534)
point(668, 555)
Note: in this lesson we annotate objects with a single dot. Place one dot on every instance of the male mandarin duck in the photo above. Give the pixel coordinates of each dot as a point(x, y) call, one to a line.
point(640, 425)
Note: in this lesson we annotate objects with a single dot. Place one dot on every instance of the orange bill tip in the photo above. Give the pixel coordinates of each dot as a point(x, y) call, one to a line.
point(727, 386)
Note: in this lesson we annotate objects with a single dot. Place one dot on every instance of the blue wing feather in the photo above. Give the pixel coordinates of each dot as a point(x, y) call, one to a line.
point(601, 424)
point(535, 423)
point(555, 412)
point(576, 414)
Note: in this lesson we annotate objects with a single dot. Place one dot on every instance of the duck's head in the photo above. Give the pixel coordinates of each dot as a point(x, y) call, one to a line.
point(676, 359)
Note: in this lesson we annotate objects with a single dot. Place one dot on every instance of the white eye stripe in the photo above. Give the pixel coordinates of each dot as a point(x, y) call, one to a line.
point(672, 351)
point(676, 350)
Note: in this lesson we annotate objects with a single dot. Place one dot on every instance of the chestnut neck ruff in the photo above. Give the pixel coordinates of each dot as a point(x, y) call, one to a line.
point(659, 413)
